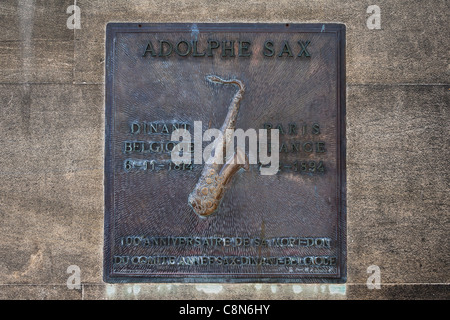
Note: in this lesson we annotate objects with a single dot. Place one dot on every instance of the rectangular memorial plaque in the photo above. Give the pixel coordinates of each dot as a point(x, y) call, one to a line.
point(274, 209)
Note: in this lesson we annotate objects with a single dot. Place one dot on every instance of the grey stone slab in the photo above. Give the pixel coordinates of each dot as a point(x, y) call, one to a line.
point(33, 61)
point(225, 292)
point(50, 222)
point(39, 292)
point(51, 132)
point(214, 291)
point(52, 182)
point(397, 183)
point(265, 292)
point(386, 56)
point(400, 292)
point(24, 20)
point(409, 47)
point(89, 62)
point(51, 128)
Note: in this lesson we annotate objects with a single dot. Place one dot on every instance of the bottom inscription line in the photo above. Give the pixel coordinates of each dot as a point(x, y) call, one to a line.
point(225, 260)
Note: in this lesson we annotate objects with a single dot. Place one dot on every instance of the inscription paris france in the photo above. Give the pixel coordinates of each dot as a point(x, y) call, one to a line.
point(234, 101)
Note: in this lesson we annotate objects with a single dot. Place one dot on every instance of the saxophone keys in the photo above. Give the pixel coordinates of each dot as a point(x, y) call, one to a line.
point(208, 204)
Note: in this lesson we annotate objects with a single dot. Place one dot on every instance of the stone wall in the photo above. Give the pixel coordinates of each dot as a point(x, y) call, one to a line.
point(52, 138)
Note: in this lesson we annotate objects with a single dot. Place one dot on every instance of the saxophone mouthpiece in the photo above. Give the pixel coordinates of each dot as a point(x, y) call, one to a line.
point(215, 79)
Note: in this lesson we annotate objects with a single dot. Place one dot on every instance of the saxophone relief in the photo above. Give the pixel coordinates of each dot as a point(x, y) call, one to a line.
point(222, 160)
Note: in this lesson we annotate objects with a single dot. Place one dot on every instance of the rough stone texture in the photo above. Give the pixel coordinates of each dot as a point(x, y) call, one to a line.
point(215, 291)
point(39, 292)
point(51, 191)
point(400, 291)
point(52, 127)
point(398, 199)
point(21, 20)
point(36, 61)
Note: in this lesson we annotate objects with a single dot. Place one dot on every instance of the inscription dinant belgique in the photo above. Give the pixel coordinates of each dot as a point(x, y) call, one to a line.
point(310, 145)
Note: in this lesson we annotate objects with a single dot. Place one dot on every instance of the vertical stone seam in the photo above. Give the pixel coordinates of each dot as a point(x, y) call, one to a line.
point(73, 55)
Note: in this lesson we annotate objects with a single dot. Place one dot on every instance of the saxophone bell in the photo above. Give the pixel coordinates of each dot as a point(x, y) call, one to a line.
point(210, 189)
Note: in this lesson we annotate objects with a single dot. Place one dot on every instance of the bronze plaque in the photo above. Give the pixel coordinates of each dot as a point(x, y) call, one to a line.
point(191, 221)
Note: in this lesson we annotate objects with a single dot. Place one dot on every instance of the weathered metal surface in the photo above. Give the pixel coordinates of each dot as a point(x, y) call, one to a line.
point(288, 227)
